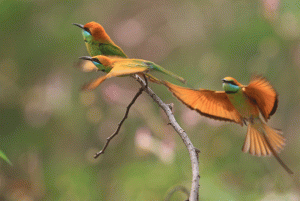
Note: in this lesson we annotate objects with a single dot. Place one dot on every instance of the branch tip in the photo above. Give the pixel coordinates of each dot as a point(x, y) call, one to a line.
point(120, 124)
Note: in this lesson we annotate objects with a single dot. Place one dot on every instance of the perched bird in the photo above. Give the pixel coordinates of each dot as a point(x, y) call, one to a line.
point(115, 66)
point(240, 104)
point(98, 42)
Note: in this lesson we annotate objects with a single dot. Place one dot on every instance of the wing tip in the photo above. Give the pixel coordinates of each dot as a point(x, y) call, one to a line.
point(275, 106)
point(86, 87)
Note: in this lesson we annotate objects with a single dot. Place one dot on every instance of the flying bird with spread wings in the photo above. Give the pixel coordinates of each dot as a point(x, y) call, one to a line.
point(253, 104)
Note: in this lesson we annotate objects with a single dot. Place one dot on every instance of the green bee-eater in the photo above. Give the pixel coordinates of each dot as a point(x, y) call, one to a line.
point(98, 42)
point(240, 104)
point(115, 66)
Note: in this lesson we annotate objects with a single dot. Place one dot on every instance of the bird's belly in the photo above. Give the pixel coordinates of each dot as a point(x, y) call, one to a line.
point(243, 105)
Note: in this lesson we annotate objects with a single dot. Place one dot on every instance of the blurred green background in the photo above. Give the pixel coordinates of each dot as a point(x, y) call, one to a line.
point(50, 129)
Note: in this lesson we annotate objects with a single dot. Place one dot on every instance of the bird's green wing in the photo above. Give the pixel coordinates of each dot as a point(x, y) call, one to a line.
point(111, 50)
point(153, 66)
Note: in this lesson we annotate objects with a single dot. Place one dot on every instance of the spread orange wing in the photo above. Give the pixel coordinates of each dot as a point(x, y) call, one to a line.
point(119, 70)
point(263, 94)
point(212, 104)
point(94, 83)
point(86, 66)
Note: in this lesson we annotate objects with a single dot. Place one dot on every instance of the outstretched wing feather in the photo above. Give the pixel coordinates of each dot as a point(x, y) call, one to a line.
point(212, 104)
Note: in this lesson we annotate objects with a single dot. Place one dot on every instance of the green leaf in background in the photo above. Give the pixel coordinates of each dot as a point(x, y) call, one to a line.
point(2, 155)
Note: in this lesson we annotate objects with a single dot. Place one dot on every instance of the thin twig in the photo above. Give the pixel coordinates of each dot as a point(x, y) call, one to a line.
point(121, 122)
point(194, 194)
point(174, 190)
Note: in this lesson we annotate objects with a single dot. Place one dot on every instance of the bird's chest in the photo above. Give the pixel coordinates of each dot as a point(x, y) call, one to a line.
point(93, 49)
point(243, 105)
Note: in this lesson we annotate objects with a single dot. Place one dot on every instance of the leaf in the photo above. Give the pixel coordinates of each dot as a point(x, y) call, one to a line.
point(2, 155)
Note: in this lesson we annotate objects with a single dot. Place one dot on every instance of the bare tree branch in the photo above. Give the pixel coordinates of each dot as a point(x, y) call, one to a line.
point(121, 122)
point(194, 194)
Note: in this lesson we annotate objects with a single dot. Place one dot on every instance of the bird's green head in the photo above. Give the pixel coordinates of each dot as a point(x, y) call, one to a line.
point(231, 85)
point(93, 32)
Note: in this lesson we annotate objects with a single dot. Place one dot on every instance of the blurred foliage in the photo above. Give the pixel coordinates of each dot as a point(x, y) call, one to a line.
point(4, 157)
point(50, 130)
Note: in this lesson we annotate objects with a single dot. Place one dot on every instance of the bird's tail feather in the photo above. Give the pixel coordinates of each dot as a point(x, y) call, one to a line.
point(161, 69)
point(262, 140)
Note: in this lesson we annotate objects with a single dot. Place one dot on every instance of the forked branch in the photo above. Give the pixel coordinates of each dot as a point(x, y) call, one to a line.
point(120, 124)
point(193, 152)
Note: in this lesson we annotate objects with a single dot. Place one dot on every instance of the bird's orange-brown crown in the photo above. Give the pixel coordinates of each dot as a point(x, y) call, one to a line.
point(98, 32)
point(233, 81)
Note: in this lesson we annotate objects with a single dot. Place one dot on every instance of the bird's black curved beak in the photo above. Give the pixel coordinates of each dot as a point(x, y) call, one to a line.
point(86, 58)
point(223, 80)
point(79, 25)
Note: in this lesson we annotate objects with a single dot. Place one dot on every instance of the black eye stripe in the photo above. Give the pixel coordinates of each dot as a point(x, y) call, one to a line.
point(96, 60)
point(230, 82)
point(87, 29)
